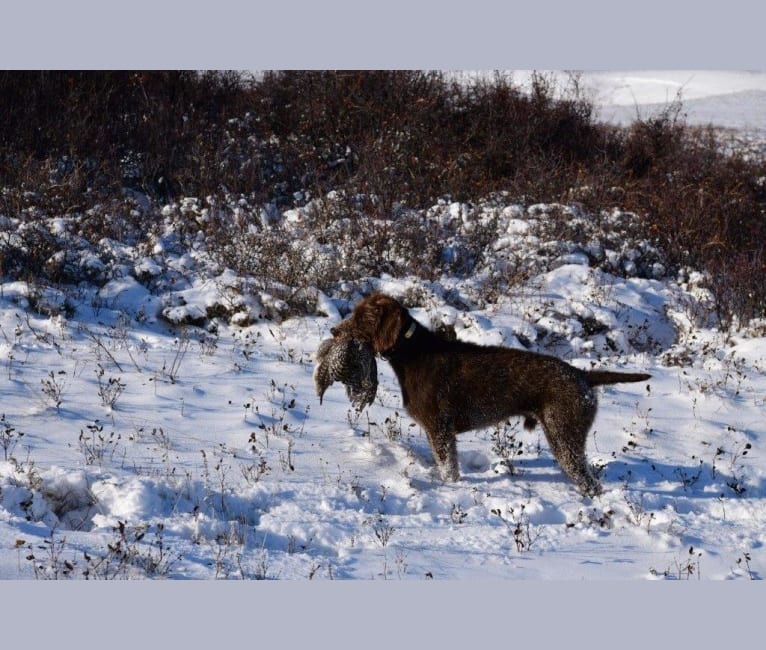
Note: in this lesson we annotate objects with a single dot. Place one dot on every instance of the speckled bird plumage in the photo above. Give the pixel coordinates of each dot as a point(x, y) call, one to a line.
point(350, 362)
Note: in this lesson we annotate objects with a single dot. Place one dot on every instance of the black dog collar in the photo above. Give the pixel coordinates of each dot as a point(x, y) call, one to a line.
point(408, 334)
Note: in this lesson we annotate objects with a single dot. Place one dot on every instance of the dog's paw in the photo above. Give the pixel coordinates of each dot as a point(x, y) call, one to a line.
point(591, 489)
point(448, 474)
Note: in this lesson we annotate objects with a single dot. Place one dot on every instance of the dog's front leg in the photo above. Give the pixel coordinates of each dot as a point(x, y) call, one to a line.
point(444, 448)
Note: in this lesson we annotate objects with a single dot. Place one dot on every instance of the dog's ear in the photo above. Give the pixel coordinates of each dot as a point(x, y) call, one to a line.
point(389, 318)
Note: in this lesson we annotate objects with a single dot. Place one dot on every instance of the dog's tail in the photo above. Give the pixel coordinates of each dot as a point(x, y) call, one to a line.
point(601, 377)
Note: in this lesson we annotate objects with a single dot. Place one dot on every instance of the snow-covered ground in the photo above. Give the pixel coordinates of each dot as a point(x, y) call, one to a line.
point(727, 99)
point(734, 99)
point(133, 447)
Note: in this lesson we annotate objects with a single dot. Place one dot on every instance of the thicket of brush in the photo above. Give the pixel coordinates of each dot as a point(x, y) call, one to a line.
point(71, 143)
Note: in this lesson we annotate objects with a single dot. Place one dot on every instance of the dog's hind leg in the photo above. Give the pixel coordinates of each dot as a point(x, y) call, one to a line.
point(566, 430)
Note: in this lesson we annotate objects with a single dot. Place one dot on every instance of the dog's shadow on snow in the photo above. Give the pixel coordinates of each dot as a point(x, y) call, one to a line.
point(700, 480)
point(661, 479)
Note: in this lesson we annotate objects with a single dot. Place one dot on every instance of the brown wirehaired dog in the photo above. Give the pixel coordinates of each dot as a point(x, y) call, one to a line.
point(451, 386)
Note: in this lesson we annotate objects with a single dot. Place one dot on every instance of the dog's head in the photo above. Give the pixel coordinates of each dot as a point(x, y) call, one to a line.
point(377, 320)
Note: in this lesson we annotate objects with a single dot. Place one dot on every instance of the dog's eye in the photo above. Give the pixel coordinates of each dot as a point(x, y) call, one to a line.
point(333, 331)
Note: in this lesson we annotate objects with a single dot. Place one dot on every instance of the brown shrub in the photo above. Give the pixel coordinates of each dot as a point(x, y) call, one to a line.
point(71, 141)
